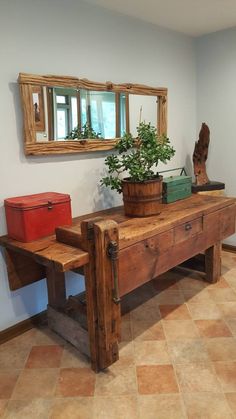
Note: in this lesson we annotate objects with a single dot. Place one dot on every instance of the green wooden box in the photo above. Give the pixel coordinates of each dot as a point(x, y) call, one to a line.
point(175, 188)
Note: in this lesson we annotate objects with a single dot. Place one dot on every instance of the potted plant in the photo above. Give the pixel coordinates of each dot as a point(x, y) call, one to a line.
point(142, 189)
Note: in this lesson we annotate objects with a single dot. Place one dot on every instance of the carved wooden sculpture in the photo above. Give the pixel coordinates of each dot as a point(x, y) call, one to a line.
point(200, 156)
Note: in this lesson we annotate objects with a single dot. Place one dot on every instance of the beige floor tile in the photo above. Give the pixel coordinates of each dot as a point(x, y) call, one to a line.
point(169, 297)
point(197, 377)
point(161, 406)
point(213, 328)
point(151, 352)
point(154, 379)
point(174, 312)
point(8, 379)
point(226, 373)
point(204, 311)
point(224, 268)
point(191, 283)
point(3, 405)
point(197, 296)
point(126, 354)
point(116, 380)
point(232, 325)
point(36, 383)
point(147, 330)
point(125, 407)
point(72, 358)
point(228, 310)
point(126, 332)
point(221, 283)
point(222, 295)
point(146, 312)
point(26, 338)
point(72, 408)
point(28, 409)
point(45, 336)
point(180, 329)
point(231, 399)
point(187, 351)
point(14, 355)
point(221, 349)
point(230, 275)
point(206, 406)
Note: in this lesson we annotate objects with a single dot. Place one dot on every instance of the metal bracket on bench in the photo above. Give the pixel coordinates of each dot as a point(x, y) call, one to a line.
point(112, 252)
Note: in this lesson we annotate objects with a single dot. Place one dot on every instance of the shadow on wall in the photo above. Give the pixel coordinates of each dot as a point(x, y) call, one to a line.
point(24, 302)
point(105, 198)
point(31, 299)
point(14, 88)
point(189, 166)
point(3, 226)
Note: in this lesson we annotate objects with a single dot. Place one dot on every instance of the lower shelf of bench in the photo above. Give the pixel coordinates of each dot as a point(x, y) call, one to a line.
point(70, 329)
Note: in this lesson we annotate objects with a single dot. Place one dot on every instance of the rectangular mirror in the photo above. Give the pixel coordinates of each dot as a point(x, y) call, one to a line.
point(70, 115)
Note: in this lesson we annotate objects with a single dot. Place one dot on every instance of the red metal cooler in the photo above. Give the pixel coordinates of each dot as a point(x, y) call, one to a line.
point(31, 217)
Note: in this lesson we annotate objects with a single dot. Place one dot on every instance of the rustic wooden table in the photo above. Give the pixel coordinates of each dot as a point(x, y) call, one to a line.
point(117, 254)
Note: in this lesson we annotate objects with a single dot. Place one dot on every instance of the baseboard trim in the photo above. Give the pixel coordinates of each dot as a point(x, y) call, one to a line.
point(21, 327)
point(229, 248)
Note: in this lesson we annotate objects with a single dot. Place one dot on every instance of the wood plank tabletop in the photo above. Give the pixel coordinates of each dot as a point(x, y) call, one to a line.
point(133, 229)
point(48, 250)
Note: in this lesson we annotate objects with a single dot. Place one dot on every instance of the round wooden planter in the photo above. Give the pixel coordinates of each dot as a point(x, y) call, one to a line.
point(142, 199)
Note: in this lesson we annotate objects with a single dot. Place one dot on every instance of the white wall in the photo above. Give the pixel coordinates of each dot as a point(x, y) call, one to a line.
point(216, 104)
point(73, 38)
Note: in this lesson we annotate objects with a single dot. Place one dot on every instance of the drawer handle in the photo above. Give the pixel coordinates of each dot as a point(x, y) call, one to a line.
point(188, 227)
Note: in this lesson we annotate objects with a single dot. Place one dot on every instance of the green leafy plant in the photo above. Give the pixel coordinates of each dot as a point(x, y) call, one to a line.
point(137, 157)
point(83, 133)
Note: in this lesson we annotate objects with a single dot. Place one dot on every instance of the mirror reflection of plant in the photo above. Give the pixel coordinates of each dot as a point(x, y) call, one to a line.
point(137, 156)
point(86, 132)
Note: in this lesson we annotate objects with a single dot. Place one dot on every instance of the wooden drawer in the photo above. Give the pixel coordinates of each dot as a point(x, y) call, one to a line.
point(138, 263)
point(187, 230)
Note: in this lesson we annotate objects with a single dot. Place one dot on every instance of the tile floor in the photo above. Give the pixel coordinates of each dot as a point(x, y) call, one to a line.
point(177, 359)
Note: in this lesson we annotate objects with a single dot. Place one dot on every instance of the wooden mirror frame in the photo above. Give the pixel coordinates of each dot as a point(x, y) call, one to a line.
point(29, 83)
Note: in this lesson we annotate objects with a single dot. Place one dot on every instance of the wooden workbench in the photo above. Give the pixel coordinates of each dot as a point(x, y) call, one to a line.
point(117, 254)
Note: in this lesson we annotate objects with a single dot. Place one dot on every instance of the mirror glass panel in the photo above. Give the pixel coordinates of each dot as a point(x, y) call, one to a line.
point(62, 114)
point(142, 108)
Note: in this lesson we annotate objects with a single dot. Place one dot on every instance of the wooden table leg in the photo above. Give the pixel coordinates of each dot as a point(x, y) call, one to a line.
point(213, 262)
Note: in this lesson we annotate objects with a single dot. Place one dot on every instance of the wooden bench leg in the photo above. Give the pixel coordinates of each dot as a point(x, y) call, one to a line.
point(108, 306)
point(87, 230)
point(103, 310)
point(213, 262)
point(56, 287)
point(103, 313)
